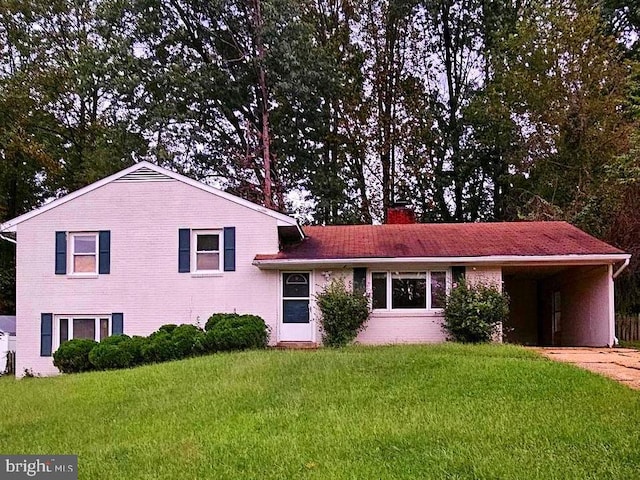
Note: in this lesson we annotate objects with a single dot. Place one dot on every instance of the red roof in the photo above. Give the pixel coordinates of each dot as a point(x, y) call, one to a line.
point(444, 240)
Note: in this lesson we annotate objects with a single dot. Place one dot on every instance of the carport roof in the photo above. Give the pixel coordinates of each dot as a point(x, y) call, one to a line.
point(506, 239)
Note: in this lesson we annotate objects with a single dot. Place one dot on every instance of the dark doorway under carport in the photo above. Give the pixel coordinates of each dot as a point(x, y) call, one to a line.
point(558, 305)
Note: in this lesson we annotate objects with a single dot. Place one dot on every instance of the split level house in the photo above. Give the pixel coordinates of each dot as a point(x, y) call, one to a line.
point(147, 246)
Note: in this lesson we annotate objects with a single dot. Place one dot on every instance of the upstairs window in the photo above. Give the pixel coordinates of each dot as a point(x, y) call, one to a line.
point(409, 290)
point(207, 251)
point(84, 253)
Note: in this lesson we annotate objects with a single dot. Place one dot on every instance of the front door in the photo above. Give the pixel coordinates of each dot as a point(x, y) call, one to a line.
point(296, 325)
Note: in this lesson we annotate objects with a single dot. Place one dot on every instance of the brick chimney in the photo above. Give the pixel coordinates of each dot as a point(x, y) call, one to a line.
point(400, 213)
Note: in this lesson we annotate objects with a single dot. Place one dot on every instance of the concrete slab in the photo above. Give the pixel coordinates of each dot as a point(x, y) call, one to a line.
point(620, 364)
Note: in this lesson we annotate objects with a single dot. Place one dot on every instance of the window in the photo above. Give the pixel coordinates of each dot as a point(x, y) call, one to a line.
point(409, 290)
point(93, 328)
point(207, 251)
point(84, 253)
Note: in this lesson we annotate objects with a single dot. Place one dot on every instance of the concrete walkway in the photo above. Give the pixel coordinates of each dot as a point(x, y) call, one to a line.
point(621, 364)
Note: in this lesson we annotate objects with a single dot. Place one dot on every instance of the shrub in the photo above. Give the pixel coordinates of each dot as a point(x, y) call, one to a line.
point(115, 339)
point(134, 346)
point(73, 356)
point(218, 317)
point(109, 355)
point(473, 313)
point(159, 348)
point(188, 340)
point(167, 328)
point(236, 332)
point(344, 313)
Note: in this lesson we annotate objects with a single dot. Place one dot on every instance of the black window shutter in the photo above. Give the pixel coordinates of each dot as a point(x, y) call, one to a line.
point(61, 253)
point(184, 250)
point(359, 280)
point(458, 273)
point(46, 326)
point(229, 249)
point(104, 259)
point(117, 323)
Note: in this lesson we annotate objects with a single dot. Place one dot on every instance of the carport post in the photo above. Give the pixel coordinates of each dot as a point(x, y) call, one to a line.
point(612, 309)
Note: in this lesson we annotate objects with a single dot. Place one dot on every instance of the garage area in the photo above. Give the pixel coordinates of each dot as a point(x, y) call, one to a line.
point(560, 306)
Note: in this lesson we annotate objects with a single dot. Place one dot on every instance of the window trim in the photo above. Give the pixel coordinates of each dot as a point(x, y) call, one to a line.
point(72, 254)
point(389, 289)
point(194, 251)
point(70, 318)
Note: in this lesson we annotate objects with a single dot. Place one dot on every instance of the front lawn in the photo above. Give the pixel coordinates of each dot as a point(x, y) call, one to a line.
point(446, 411)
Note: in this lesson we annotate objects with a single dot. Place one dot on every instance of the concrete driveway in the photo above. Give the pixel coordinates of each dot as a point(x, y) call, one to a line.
point(621, 364)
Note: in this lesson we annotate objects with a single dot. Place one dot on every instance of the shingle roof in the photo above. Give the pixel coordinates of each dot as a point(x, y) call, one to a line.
point(444, 240)
point(8, 324)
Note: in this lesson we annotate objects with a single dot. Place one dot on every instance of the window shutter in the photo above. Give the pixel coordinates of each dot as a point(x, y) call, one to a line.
point(458, 273)
point(117, 323)
point(229, 249)
point(104, 258)
point(184, 250)
point(46, 326)
point(359, 280)
point(61, 253)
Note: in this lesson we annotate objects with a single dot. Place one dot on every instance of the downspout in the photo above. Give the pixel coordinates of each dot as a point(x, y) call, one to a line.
point(11, 240)
point(622, 267)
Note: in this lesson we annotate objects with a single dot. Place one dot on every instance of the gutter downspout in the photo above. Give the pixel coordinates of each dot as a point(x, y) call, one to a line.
point(622, 267)
point(11, 240)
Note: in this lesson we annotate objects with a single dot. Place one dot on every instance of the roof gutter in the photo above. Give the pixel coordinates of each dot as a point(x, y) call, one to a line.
point(512, 260)
point(622, 267)
point(11, 240)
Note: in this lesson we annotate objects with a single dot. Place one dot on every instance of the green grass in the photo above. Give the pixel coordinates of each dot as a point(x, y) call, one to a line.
point(630, 344)
point(447, 411)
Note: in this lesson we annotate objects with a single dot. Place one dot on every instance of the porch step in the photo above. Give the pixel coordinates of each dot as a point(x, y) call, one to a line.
point(296, 345)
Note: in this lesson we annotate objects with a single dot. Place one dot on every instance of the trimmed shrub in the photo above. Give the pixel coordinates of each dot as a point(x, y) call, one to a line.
point(237, 332)
point(114, 339)
point(106, 356)
point(218, 317)
point(134, 346)
point(473, 313)
point(167, 328)
point(159, 348)
point(344, 313)
point(188, 340)
point(73, 356)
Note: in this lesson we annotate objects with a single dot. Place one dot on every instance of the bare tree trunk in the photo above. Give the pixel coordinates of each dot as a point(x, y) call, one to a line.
point(264, 93)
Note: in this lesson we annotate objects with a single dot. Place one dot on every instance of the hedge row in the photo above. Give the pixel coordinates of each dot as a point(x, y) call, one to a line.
point(222, 332)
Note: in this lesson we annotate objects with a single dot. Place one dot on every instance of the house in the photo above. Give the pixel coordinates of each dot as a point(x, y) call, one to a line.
point(148, 246)
point(7, 339)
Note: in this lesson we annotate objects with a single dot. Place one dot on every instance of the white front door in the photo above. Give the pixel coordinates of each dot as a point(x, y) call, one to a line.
point(295, 318)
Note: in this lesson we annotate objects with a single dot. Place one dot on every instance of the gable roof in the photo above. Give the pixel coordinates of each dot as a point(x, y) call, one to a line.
point(149, 172)
point(8, 324)
point(359, 243)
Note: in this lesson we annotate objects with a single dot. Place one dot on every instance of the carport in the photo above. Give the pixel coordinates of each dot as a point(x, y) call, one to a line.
point(560, 305)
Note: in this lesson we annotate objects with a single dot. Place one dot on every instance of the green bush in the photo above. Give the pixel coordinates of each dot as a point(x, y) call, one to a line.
point(167, 328)
point(134, 346)
point(218, 317)
point(114, 339)
point(73, 356)
point(159, 348)
point(344, 313)
point(109, 355)
point(473, 313)
point(188, 340)
point(236, 332)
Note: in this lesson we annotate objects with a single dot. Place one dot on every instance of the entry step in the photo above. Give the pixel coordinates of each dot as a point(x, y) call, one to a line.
point(297, 345)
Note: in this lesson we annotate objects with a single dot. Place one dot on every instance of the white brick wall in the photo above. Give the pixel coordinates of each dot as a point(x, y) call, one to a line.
point(144, 282)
